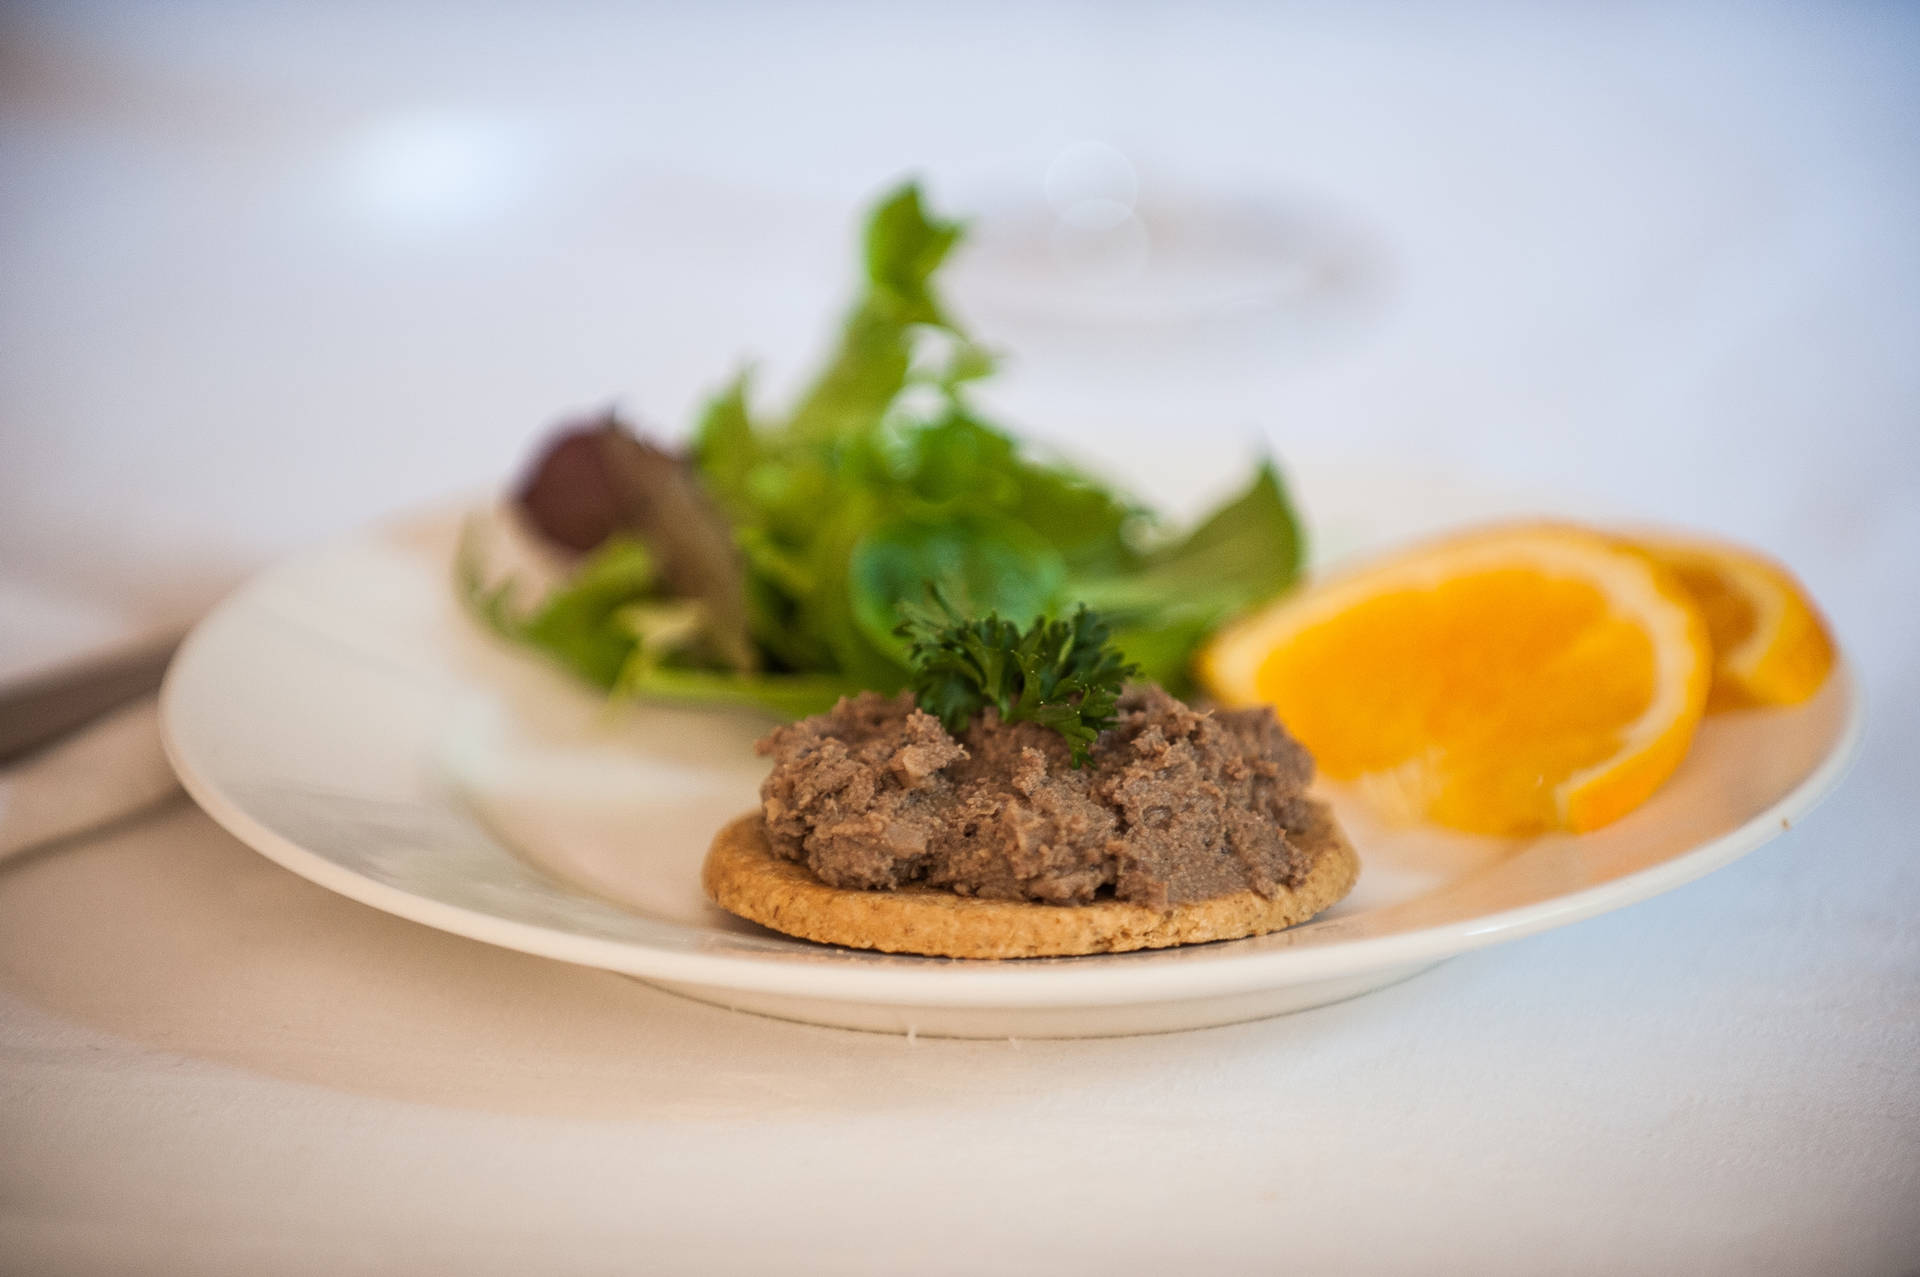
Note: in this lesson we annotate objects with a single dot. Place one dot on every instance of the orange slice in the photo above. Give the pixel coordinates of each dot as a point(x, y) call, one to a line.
point(1507, 681)
point(1770, 645)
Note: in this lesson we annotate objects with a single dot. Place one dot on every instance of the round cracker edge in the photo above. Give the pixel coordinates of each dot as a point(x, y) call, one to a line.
point(743, 876)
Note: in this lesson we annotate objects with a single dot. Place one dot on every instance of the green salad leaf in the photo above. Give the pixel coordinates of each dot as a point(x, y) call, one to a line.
point(983, 562)
point(904, 247)
point(579, 623)
point(1246, 551)
point(611, 624)
point(881, 481)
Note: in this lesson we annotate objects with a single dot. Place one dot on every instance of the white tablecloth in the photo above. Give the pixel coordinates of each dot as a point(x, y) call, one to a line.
point(270, 272)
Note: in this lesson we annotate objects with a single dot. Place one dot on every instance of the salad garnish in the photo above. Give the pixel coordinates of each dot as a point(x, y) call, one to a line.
point(768, 561)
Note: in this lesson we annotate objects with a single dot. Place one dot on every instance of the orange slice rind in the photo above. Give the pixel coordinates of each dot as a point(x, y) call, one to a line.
point(1770, 644)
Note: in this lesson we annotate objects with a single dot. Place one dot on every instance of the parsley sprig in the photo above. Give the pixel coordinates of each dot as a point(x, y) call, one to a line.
point(1063, 674)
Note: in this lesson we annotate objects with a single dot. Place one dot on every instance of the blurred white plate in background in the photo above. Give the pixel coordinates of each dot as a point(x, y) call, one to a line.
point(1108, 256)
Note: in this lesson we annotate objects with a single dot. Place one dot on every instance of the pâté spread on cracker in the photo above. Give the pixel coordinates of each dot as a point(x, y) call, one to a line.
point(1021, 799)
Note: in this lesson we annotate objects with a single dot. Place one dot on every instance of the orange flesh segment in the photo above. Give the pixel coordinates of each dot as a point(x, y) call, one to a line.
point(1524, 674)
point(1508, 683)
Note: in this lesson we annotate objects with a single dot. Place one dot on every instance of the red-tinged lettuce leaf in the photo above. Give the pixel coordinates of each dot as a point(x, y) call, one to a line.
point(597, 480)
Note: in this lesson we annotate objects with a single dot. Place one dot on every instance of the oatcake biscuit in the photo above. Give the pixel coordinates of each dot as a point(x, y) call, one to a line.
point(745, 877)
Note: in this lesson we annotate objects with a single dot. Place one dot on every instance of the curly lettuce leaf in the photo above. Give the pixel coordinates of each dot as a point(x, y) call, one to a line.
point(960, 462)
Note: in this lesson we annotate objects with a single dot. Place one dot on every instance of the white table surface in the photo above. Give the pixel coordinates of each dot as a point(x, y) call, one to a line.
point(267, 272)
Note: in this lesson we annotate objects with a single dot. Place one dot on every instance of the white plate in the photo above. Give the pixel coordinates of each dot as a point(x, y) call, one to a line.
point(344, 718)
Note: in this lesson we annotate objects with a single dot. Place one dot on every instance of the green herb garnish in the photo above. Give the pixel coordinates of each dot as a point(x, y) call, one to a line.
point(1063, 674)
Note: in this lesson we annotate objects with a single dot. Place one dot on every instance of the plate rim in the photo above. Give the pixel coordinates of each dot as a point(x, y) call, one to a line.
point(861, 976)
